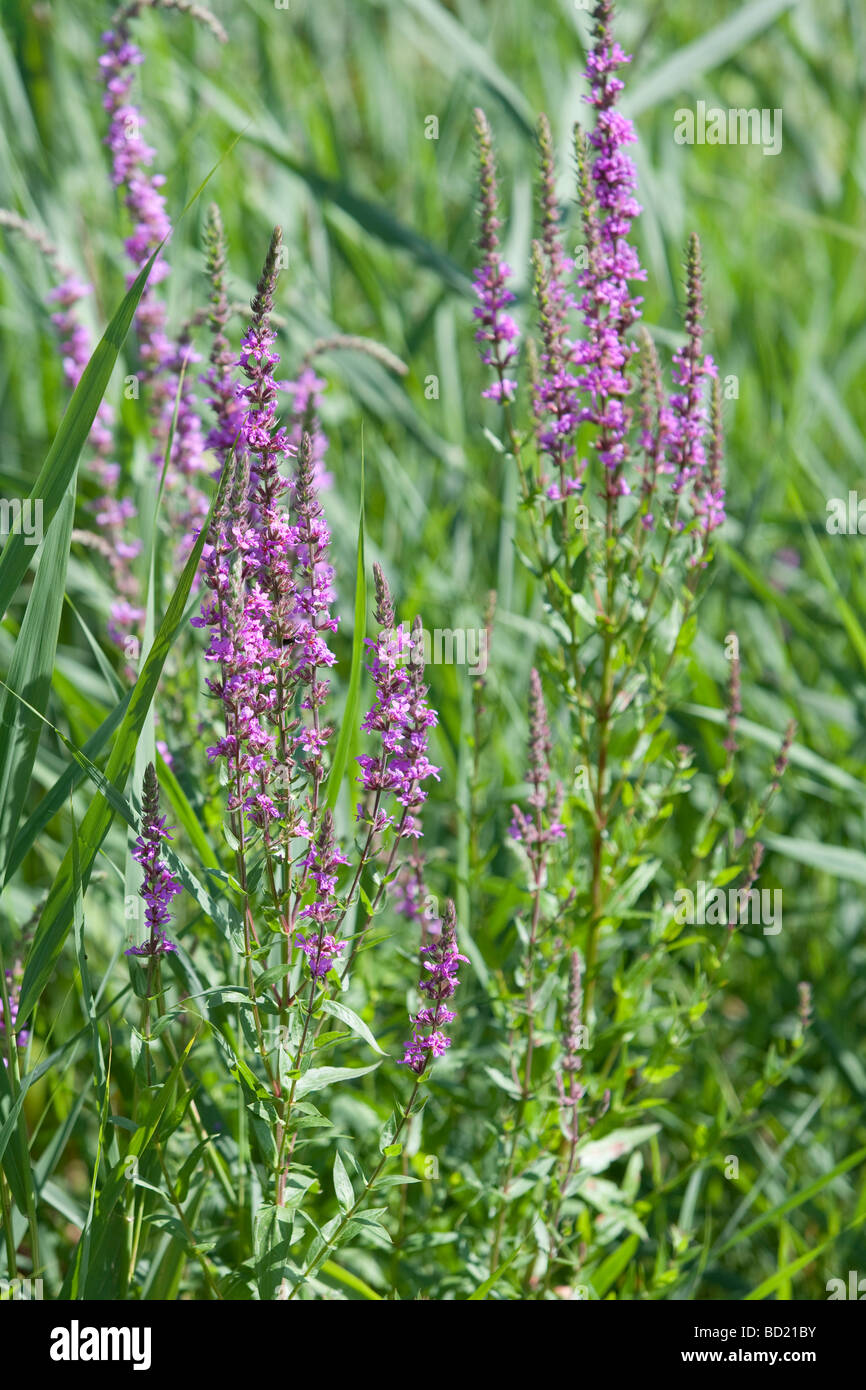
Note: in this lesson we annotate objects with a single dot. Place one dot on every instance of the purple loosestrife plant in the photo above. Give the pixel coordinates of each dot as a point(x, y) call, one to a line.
point(622, 484)
point(271, 611)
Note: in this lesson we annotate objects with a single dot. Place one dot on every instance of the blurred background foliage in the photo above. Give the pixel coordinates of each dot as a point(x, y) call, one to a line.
point(332, 106)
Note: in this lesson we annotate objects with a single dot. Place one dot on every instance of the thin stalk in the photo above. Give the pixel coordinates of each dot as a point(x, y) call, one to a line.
point(332, 1240)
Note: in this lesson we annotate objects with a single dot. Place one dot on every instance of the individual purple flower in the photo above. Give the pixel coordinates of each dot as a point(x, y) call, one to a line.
point(158, 887)
point(497, 331)
point(321, 951)
point(441, 961)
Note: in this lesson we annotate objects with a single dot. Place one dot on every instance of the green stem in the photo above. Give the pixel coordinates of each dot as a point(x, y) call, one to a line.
point(370, 1183)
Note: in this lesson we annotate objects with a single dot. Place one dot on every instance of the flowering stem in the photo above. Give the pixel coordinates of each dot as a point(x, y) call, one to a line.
point(332, 1240)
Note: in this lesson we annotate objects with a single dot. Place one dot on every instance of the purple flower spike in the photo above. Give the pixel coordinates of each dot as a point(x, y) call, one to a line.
point(607, 181)
point(541, 825)
point(228, 412)
point(441, 960)
point(497, 330)
point(556, 393)
point(657, 427)
point(691, 368)
point(166, 363)
point(401, 715)
point(157, 887)
point(708, 496)
point(310, 539)
point(323, 863)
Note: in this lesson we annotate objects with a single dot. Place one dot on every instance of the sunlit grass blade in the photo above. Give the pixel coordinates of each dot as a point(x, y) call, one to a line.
point(349, 723)
point(55, 799)
point(30, 673)
point(703, 54)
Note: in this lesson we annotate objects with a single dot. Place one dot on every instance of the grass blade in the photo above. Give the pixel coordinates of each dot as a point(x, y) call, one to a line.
point(30, 673)
point(353, 694)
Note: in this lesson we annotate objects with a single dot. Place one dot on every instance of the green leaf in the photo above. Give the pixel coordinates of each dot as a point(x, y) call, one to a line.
point(352, 1281)
point(610, 1269)
point(317, 1078)
point(599, 1154)
point(186, 816)
point(467, 52)
point(342, 1185)
point(791, 1203)
point(783, 1275)
point(374, 218)
point(846, 613)
point(30, 672)
point(351, 1020)
point(829, 859)
point(353, 694)
point(483, 1289)
point(798, 756)
point(692, 60)
point(56, 798)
